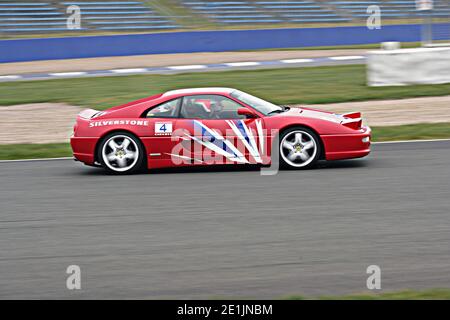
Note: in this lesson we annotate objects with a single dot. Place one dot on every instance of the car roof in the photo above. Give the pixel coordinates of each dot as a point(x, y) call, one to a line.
point(199, 91)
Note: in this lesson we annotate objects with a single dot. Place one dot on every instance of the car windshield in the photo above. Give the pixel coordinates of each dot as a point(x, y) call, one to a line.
point(261, 105)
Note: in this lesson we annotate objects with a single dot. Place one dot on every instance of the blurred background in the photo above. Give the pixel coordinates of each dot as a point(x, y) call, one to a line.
point(101, 53)
point(48, 18)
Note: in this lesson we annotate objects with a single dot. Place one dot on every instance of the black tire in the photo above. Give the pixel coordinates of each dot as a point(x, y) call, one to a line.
point(122, 154)
point(300, 150)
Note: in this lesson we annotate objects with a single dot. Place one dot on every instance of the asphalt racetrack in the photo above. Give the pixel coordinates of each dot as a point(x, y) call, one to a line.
point(227, 233)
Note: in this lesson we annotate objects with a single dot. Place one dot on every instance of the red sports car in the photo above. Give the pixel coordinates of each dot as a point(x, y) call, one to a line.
point(207, 126)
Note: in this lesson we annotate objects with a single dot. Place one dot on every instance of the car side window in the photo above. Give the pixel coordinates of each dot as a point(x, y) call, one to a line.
point(209, 107)
point(166, 110)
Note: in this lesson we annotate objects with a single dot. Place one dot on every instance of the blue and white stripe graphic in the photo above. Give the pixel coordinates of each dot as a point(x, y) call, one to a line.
point(215, 142)
point(245, 135)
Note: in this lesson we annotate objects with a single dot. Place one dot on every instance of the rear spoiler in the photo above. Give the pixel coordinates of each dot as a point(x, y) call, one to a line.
point(352, 120)
point(353, 115)
point(89, 113)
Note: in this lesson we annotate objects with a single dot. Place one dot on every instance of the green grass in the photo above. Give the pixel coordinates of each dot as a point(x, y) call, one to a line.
point(394, 133)
point(34, 151)
point(419, 131)
point(432, 294)
point(283, 86)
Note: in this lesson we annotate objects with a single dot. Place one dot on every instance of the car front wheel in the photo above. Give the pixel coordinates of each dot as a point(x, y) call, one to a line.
point(299, 148)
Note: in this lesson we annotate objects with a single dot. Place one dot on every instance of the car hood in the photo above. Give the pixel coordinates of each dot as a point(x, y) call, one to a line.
point(313, 113)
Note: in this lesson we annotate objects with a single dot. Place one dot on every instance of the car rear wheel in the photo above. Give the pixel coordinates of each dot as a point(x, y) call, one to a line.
point(121, 153)
point(299, 148)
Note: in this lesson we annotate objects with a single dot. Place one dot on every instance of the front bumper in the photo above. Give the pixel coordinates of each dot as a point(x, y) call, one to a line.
point(347, 146)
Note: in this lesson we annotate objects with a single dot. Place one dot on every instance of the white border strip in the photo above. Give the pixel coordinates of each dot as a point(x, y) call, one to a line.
point(10, 77)
point(296, 60)
point(156, 70)
point(134, 70)
point(380, 142)
point(187, 67)
point(67, 74)
point(346, 58)
point(242, 64)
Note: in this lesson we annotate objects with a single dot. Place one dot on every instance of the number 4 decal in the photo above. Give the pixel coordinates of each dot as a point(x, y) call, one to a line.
point(163, 128)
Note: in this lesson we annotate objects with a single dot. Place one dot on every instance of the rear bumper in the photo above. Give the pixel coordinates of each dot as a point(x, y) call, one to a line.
point(84, 149)
point(347, 146)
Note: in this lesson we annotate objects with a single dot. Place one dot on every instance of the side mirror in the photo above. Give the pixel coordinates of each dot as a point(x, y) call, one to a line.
point(246, 112)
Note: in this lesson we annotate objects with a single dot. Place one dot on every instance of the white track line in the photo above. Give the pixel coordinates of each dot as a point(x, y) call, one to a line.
point(296, 60)
point(346, 58)
point(135, 70)
point(42, 159)
point(187, 67)
point(67, 74)
point(381, 142)
point(242, 64)
point(409, 141)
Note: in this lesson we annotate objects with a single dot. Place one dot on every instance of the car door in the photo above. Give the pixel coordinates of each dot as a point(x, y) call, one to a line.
point(212, 132)
point(160, 142)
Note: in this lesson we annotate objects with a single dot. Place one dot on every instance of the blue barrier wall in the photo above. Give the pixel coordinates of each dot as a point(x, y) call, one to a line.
point(200, 41)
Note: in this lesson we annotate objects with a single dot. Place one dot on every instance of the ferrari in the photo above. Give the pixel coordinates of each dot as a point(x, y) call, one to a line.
point(206, 126)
